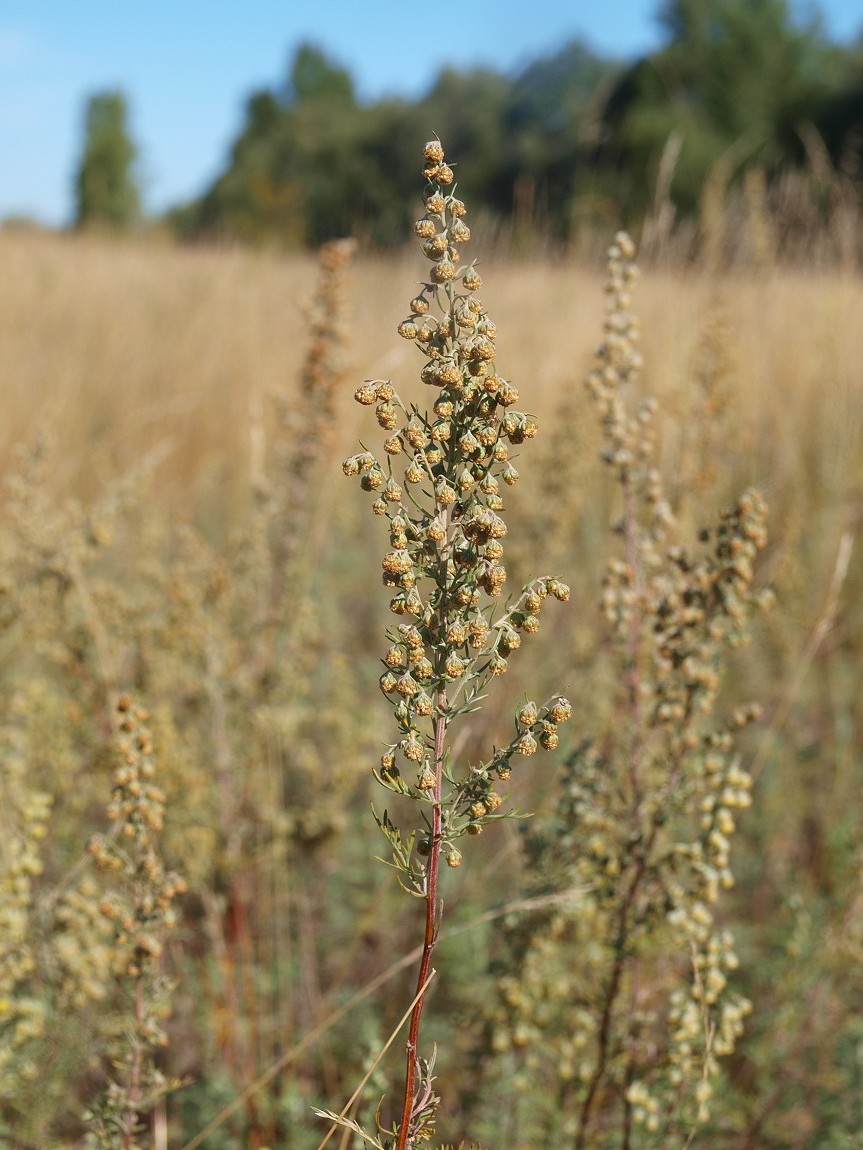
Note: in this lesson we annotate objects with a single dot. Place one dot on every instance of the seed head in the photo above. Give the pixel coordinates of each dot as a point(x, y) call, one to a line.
point(412, 748)
point(459, 232)
point(456, 633)
point(560, 711)
point(387, 416)
point(436, 247)
point(423, 704)
point(443, 271)
point(433, 152)
point(549, 737)
point(528, 714)
point(395, 657)
point(366, 394)
point(397, 562)
point(407, 686)
point(558, 589)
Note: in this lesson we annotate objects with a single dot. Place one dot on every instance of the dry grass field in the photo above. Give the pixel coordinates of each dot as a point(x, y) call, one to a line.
point(126, 346)
point(133, 555)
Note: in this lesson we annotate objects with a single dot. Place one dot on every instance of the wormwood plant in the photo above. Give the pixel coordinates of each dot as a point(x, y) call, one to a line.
point(445, 569)
point(140, 909)
point(621, 1001)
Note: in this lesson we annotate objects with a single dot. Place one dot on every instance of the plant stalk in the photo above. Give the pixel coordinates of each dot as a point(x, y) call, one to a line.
point(432, 926)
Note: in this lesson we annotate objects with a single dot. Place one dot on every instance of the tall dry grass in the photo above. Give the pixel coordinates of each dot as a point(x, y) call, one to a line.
point(123, 346)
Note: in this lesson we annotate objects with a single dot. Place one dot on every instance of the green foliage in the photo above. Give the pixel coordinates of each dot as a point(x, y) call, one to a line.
point(569, 138)
point(314, 79)
point(106, 191)
point(733, 82)
point(311, 163)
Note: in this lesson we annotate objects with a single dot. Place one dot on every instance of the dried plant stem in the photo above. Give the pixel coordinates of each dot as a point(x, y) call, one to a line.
point(433, 911)
point(239, 1054)
point(417, 1001)
point(620, 955)
point(633, 686)
point(634, 644)
point(289, 1056)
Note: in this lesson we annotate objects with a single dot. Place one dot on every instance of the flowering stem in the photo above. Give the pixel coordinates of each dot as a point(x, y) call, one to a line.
point(445, 555)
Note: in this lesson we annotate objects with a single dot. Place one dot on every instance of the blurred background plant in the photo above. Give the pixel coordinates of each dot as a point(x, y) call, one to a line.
point(615, 993)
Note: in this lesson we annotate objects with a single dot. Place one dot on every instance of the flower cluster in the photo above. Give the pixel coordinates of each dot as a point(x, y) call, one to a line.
point(446, 557)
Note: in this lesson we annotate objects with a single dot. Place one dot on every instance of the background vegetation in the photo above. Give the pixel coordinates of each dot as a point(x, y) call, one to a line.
point(140, 532)
point(106, 192)
point(571, 141)
point(175, 525)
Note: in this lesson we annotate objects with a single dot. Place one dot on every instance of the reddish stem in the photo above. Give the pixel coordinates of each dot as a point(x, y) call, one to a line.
point(432, 920)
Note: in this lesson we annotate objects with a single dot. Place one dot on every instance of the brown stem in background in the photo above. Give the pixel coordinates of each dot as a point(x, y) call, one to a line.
point(613, 988)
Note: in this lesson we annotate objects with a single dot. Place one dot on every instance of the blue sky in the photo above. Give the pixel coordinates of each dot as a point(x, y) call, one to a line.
point(187, 66)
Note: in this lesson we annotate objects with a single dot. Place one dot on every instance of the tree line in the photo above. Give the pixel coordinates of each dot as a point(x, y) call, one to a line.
point(571, 140)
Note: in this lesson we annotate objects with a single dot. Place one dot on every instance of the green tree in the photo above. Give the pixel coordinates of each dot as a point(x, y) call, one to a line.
point(106, 190)
point(281, 183)
point(552, 116)
point(315, 77)
point(570, 143)
point(733, 82)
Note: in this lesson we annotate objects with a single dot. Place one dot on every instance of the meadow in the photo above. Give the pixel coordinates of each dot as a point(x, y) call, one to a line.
point(176, 527)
